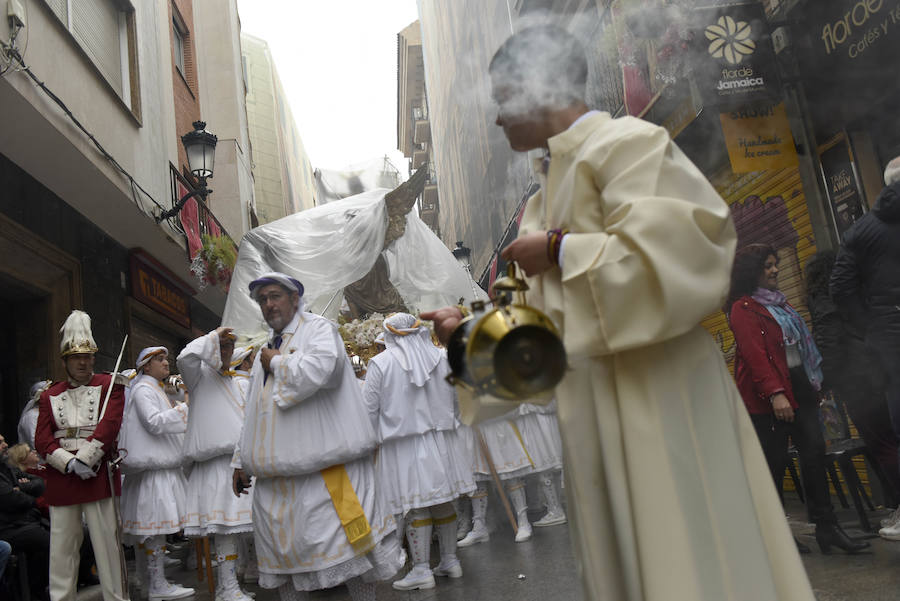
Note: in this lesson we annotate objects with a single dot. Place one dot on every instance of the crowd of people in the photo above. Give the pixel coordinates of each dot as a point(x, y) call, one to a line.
point(304, 465)
point(673, 467)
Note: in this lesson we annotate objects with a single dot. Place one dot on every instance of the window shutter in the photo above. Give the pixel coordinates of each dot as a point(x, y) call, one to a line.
point(95, 24)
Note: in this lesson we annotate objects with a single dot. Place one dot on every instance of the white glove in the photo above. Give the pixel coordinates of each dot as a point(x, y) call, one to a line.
point(79, 469)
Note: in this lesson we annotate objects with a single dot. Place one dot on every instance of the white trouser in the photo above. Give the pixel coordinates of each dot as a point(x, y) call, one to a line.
point(66, 535)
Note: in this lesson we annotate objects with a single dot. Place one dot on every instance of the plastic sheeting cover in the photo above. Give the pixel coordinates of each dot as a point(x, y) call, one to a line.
point(336, 244)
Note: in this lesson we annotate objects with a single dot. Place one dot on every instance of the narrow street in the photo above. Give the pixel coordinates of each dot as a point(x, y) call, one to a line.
point(542, 570)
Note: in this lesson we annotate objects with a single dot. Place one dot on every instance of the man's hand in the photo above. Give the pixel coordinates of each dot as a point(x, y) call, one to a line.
point(80, 469)
point(222, 332)
point(781, 406)
point(240, 483)
point(265, 357)
point(445, 321)
point(530, 252)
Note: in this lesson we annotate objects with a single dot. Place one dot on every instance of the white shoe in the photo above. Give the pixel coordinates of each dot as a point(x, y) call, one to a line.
point(524, 532)
point(892, 519)
point(890, 533)
point(551, 519)
point(173, 591)
point(452, 569)
point(420, 577)
point(473, 537)
point(233, 594)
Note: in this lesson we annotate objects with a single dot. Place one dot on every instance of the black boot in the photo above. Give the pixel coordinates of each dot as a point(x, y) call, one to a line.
point(829, 533)
point(803, 549)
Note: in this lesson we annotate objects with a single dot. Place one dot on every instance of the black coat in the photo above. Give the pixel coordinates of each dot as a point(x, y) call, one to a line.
point(17, 507)
point(865, 282)
point(845, 356)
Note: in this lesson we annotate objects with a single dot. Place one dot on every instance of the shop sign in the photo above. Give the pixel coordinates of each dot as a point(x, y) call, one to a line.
point(157, 291)
point(841, 183)
point(735, 61)
point(848, 34)
point(758, 137)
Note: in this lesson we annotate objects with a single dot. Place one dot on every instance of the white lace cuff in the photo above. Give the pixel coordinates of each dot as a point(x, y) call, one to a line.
point(59, 459)
point(91, 453)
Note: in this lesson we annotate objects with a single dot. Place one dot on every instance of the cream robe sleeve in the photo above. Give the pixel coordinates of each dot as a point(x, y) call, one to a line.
point(372, 395)
point(204, 349)
point(662, 260)
point(155, 420)
point(313, 366)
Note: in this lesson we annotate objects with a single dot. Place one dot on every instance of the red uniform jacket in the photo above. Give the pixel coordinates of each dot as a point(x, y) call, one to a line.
point(760, 362)
point(64, 408)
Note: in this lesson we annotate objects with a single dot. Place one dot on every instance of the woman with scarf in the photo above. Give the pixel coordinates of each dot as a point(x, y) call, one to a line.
point(778, 373)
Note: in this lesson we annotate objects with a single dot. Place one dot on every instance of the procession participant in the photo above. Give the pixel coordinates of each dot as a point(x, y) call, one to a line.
point(511, 463)
point(420, 468)
point(647, 408)
point(318, 520)
point(213, 429)
point(539, 429)
point(28, 419)
point(242, 363)
point(153, 497)
point(76, 433)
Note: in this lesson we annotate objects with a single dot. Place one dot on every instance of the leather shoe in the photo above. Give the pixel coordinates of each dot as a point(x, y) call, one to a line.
point(831, 534)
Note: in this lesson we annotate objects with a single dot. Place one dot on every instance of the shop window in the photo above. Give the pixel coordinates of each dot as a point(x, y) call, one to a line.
point(105, 32)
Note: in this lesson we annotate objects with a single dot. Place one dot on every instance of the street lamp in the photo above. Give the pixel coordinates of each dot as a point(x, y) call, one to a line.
point(200, 147)
point(463, 255)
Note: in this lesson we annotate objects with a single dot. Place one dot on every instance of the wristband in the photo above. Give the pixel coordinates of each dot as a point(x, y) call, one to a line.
point(554, 244)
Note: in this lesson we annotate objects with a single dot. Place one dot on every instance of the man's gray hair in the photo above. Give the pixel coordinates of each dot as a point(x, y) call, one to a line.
point(892, 172)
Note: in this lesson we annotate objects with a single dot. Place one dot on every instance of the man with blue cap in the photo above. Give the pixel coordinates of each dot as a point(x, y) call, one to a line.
point(307, 439)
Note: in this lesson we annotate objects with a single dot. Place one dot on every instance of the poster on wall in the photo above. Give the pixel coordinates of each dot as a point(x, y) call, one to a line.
point(758, 137)
point(735, 60)
point(841, 183)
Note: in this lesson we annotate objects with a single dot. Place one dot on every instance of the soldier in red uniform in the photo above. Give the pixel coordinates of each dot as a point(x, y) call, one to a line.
point(77, 436)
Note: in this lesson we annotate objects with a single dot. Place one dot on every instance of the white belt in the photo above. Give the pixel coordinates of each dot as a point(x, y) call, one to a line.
point(72, 444)
point(79, 432)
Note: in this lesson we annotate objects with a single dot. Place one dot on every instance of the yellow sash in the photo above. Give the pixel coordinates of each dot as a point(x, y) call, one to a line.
point(348, 508)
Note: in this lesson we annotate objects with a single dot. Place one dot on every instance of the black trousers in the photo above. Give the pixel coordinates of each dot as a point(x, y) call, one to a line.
point(34, 541)
point(806, 435)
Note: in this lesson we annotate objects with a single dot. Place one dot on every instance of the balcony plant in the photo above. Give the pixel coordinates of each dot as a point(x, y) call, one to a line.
point(214, 263)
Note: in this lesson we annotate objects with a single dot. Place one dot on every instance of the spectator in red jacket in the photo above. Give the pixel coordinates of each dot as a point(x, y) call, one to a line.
point(777, 368)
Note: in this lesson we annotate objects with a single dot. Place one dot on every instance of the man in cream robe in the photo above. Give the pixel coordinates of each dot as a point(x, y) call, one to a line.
point(307, 439)
point(669, 494)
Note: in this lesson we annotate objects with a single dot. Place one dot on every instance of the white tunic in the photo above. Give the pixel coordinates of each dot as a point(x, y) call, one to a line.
point(306, 416)
point(539, 428)
point(214, 426)
point(506, 448)
point(153, 491)
point(422, 462)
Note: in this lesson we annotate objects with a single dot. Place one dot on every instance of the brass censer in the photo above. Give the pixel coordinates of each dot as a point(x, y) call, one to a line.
point(512, 351)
